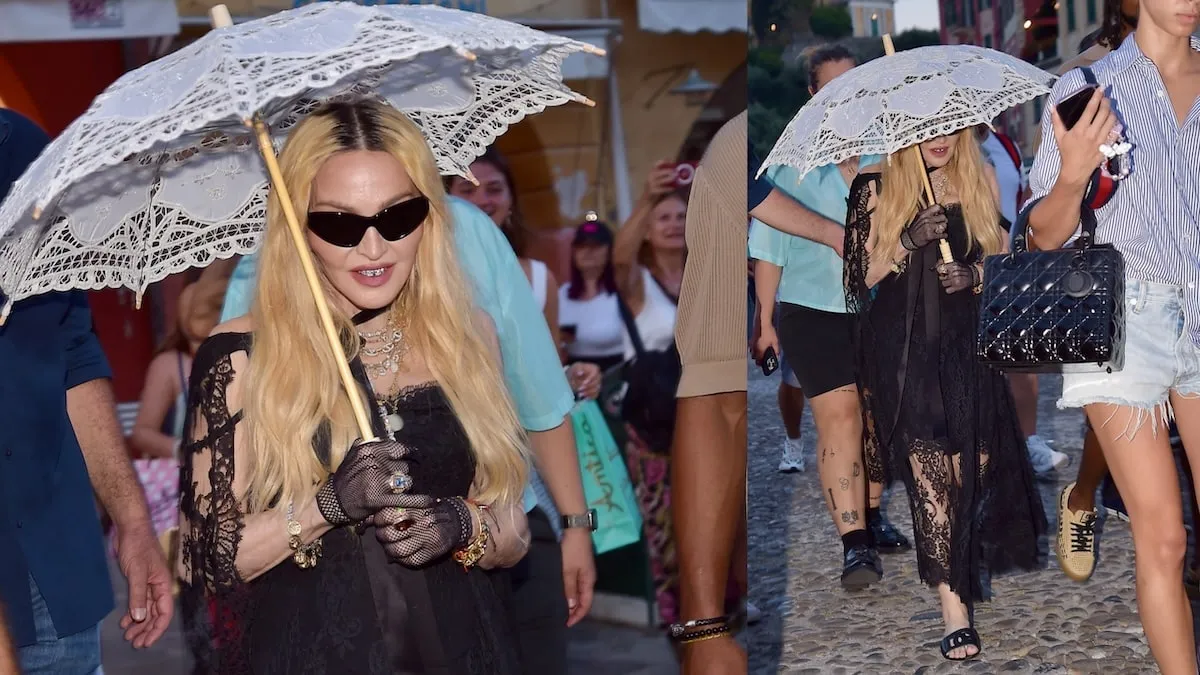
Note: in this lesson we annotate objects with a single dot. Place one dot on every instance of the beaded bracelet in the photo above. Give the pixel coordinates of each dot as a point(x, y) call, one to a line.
point(678, 629)
point(702, 635)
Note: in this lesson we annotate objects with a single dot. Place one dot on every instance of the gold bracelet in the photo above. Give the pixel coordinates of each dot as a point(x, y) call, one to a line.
point(470, 555)
point(304, 555)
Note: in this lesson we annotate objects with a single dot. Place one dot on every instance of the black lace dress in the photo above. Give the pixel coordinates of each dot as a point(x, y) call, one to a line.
point(935, 417)
point(355, 612)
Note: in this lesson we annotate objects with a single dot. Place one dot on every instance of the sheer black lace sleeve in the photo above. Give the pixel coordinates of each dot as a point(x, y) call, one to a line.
point(858, 303)
point(210, 514)
point(858, 232)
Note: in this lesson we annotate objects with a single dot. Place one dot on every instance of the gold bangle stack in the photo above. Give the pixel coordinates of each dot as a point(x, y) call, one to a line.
point(304, 555)
point(470, 555)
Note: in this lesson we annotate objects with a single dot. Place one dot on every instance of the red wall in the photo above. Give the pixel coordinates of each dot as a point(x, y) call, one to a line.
point(60, 79)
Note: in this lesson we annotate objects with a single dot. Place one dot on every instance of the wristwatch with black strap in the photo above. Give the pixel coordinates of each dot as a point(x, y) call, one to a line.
point(586, 520)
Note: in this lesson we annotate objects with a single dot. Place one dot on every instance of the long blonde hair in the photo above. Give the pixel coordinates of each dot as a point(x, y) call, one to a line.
point(292, 383)
point(903, 192)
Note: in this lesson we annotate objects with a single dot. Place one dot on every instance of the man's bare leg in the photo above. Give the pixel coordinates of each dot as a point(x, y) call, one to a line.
point(708, 505)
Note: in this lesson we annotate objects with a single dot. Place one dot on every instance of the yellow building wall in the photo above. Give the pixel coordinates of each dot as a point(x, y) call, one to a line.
point(569, 146)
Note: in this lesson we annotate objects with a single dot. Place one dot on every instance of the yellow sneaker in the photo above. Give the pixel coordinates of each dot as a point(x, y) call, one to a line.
point(1076, 544)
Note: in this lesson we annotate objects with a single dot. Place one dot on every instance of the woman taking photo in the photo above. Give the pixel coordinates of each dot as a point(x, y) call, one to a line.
point(318, 552)
point(648, 256)
point(944, 423)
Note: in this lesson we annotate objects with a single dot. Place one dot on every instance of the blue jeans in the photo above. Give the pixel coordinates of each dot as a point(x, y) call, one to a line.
point(77, 654)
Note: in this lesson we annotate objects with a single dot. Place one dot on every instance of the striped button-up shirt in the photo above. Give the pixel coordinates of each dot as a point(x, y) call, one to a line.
point(1154, 219)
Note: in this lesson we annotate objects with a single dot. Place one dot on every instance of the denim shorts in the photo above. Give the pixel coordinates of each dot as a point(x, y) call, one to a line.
point(1160, 358)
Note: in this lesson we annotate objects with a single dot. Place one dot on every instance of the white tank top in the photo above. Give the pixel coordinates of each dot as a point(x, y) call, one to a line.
point(656, 322)
point(537, 279)
point(599, 331)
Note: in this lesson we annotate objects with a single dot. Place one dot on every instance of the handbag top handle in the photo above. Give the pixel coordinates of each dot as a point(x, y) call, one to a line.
point(1087, 217)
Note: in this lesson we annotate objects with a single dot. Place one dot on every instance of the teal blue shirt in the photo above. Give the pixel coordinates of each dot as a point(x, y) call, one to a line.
point(812, 272)
point(532, 370)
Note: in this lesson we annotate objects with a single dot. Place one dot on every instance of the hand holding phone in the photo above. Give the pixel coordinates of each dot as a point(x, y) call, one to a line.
point(770, 362)
point(1082, 123)
point(1071, 109)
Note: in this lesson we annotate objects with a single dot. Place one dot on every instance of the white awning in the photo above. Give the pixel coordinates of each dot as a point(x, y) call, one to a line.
point(55, 20)
point(692, 16)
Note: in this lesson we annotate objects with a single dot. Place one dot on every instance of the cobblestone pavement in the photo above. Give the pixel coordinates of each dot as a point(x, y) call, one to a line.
point(1038, 622)
point(596, 649)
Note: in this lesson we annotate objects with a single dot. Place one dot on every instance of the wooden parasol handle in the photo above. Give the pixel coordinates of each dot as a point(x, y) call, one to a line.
point(310, 273)
point(221, 19)
point(943, 245)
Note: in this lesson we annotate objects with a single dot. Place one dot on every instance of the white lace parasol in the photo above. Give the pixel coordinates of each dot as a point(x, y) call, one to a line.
point(902, 99)
point(162, 173)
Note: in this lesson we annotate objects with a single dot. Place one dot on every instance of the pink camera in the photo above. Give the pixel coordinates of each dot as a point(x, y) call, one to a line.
point(684, 173)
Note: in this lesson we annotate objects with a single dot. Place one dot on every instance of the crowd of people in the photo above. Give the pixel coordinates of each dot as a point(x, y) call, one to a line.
point(458, 538)
point(877, 327)
point(208, 501)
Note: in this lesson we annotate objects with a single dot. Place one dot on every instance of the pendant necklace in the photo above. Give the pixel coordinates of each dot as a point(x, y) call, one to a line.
point(388, 343)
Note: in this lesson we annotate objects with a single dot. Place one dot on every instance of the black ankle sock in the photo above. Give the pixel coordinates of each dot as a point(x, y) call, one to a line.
point(855, 538)
point(873, 514)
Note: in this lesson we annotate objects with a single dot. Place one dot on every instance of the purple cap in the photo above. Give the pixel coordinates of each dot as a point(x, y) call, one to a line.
point(592, 232)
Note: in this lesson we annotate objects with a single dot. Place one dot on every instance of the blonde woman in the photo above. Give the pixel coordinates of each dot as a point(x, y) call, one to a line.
point(303, 550)
point(945, 424)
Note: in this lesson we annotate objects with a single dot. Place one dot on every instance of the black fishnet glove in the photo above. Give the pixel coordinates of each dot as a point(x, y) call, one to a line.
point(417, 537)
point(929, 226)
point(362, 484)
point(956, 276)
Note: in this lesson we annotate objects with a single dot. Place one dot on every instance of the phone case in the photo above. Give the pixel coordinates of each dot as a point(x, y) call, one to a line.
point(770, 362)
point(1071, 109)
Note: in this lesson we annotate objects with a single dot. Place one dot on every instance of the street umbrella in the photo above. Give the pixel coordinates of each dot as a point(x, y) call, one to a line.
point(163, 172)
point(903, 99)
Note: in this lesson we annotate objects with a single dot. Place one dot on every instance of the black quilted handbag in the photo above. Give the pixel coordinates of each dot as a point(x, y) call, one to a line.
point(1060, 310)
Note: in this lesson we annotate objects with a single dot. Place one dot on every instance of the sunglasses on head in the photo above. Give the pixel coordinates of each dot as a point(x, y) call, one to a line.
point(394, 223)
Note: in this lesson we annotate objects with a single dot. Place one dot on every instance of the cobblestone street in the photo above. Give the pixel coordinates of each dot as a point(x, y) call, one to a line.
point(1039, 622)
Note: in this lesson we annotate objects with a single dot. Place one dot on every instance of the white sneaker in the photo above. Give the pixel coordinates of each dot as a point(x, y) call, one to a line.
point(1043, 458)
point(793, 456)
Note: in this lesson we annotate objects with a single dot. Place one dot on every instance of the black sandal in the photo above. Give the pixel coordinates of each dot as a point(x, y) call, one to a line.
point(963, 637)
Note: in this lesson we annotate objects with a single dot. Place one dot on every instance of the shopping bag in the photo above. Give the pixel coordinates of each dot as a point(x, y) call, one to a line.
point(606, 483)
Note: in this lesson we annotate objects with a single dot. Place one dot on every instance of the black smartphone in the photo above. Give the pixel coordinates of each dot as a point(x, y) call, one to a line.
point(770, 362)
point(1071, 109)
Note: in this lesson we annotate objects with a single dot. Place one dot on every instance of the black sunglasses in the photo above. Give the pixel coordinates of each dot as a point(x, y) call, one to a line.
point(347, 229)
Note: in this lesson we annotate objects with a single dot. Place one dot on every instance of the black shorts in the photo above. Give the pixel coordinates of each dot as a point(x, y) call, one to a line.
point(817, 345)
